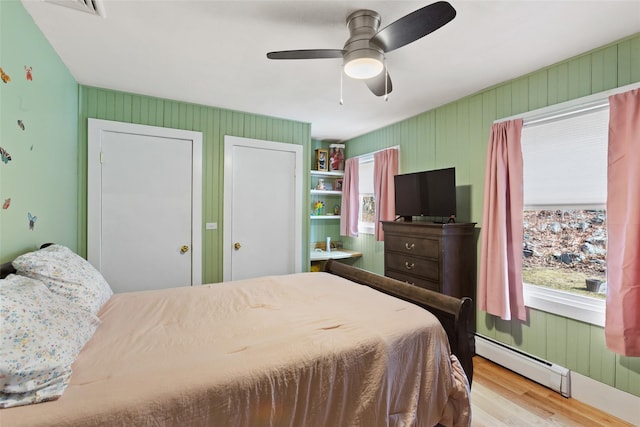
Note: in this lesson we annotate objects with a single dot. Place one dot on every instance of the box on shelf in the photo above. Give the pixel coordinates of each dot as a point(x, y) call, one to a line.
point(336, 157)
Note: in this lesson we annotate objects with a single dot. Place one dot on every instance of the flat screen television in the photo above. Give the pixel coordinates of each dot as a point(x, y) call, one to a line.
point(427, 193)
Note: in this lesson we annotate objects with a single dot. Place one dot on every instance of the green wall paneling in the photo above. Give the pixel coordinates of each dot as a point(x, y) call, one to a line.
point(532, 336)
point(602, 363)
point(214, 123)
point(323, 228)
point(41, 177)
point(458, 133)
point(627, 369)
point(558, 81)
point(556, 339)
point(578, 338)
point(538, 95)
point(477, 150)
point(629, 60)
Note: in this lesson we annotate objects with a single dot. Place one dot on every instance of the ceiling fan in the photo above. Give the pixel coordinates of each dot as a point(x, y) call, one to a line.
point(363, 53)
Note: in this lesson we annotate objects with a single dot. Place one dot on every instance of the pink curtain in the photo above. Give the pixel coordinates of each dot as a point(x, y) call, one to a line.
point(350, 193)
point(384, 169)
point(622, 325)
point(500, 280)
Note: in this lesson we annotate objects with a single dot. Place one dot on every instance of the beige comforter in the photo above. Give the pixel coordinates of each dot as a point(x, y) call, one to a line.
point(309, 349)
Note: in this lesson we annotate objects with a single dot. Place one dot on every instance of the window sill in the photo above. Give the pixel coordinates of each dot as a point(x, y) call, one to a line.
point(577, 307)
point(365, 228)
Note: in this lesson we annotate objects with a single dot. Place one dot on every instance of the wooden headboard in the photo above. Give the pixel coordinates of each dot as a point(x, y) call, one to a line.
point(454, 313)
point(6, 269)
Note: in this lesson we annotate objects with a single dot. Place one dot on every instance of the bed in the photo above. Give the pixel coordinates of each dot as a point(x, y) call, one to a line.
point(343, 347)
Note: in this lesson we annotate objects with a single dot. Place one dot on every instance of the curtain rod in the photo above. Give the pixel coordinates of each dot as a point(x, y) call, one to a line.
point(585, 108)
point(361, 156)
point(574, 106)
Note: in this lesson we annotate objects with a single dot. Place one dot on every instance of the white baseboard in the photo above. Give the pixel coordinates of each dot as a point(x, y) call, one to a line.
point(608, 399)
point(541, 371)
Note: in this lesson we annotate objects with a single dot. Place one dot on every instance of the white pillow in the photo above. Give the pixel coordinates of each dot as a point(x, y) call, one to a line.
point(66, 274)
point(41, 336)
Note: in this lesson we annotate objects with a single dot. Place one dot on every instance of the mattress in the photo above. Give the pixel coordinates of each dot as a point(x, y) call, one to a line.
point(308, 349)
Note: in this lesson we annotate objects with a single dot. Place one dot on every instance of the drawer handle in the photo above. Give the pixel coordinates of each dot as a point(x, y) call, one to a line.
point(409, 266)
point(407, 247)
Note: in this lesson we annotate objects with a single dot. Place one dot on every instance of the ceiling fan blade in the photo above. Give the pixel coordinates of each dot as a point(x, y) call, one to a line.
point(413, 26)
point(377, 86)
point(306, 54)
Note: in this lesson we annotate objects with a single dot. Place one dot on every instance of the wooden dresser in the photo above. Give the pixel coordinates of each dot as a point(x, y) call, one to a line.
point(439, 257)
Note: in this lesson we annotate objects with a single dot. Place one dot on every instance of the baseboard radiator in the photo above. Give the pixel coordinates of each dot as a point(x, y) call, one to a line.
point(541, 371)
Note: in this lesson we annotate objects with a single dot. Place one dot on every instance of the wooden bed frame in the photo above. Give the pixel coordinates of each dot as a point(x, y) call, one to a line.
point(454, 313)
point(6, 269)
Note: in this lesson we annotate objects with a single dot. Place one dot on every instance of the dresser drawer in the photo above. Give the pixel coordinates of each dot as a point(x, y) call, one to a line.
point(413, 280)
point(412, 265)
point(415, 246)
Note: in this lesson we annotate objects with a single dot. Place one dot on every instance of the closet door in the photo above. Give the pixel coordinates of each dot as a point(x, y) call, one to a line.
point(144, 227)
point(262, 208)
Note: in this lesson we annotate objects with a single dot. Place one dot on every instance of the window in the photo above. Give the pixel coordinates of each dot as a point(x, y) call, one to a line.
point(366, 198)
point(565, 186)
point(565, 150)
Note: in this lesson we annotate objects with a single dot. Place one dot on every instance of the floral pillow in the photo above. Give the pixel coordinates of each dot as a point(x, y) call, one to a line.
point(67, 274)
point(41, 336)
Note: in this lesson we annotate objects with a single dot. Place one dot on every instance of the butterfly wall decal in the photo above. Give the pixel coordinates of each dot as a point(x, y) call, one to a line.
point(4, 155)
point(32, 220)
point(4, 76)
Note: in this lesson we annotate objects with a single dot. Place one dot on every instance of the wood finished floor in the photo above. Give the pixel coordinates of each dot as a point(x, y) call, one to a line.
point(500, 397)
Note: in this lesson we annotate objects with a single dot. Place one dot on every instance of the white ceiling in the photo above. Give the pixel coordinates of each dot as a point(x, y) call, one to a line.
point(213, 52)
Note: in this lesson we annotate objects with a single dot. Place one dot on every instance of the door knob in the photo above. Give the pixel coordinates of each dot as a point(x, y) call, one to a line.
point(236, 246)
point(184, 249)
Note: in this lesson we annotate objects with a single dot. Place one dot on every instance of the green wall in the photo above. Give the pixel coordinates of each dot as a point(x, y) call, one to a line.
point(41, 177)
point(214, 123)
point(457, 135)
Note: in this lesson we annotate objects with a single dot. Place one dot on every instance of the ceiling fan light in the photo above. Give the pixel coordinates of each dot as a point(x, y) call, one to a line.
point(363, 68)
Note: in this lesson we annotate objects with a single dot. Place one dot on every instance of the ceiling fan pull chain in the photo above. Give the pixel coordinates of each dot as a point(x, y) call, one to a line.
point(341, 75)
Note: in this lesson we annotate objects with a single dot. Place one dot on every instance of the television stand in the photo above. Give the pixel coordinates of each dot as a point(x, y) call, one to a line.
point(438, 257)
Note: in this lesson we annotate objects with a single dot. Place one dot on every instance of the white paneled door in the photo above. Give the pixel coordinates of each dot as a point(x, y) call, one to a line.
point(144, 205)
point(263, 208)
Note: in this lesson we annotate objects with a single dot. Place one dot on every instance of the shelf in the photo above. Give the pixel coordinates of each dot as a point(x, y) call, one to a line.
point(337, 174)
point(325, 216)
point(327, 192)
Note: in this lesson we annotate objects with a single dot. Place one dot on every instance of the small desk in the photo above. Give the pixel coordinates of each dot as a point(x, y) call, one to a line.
point(319, 258)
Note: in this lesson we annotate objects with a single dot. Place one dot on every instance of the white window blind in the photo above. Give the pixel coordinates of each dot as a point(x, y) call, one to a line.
point(365, 184)
point(565, 161)
point(365, 188)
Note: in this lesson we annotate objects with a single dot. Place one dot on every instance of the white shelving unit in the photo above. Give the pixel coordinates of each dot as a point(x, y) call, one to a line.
point(325, 216)
point(326, 192)
point(332, 193)
point(336, 174)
